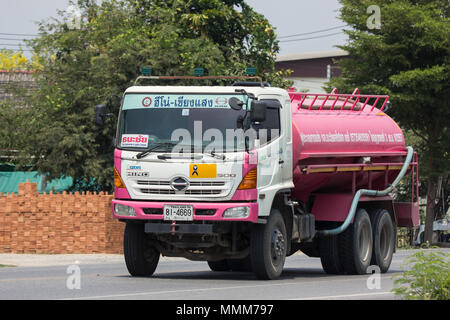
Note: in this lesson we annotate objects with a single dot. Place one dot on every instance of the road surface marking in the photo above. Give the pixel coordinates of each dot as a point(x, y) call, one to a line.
point(345, 296)
point(212, 289)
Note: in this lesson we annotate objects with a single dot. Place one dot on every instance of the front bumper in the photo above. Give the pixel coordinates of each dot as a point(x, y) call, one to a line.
point(151, 210)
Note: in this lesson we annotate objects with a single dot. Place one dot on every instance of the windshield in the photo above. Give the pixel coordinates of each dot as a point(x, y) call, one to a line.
point(202, 121)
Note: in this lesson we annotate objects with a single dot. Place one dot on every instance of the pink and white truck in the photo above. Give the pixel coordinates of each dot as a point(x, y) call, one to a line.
point(243, 176)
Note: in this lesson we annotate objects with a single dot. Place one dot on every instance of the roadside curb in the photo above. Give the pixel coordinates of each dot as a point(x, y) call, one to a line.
point(47, 260)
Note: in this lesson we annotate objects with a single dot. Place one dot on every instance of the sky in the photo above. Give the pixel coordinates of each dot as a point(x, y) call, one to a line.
point(308, 18)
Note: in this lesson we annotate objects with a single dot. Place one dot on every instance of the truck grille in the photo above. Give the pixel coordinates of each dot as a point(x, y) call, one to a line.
point(157, 191)
point(202, 192)
point(196, 188)
point(153, 183)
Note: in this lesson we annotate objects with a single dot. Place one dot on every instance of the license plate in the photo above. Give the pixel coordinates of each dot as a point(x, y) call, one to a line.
point(178, 212)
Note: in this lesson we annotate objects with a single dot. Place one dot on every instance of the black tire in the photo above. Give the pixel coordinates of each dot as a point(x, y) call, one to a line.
point(268, 247)
point(329, 255)
point(355, 244)
point(240, 265)
point(383, 239)
point(220, 265)
point(141, 257)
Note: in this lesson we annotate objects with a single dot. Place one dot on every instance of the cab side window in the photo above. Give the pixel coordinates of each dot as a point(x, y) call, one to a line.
point(269, 129)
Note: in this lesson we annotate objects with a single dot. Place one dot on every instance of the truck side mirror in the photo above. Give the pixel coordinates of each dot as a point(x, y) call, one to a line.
point(100, 115)
point(235, 103)
point(258, 111)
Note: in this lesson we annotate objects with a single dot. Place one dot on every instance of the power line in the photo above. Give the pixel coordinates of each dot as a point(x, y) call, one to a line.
point(322, 36)
point(13, 44)
point(12, 39)
point(312, 32)
point(16, 49)
point(19, 34)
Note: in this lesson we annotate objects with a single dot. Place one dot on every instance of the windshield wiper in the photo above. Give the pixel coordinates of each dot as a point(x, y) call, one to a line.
point(169, 156)
point(142, 154)
point(161, 144)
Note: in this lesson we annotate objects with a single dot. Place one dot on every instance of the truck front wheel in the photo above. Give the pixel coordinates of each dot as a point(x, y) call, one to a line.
point(141, 257)
point(268, 247)
point(220, 265)
point(240, 265)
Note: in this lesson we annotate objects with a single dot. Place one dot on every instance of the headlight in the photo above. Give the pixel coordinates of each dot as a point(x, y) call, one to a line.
point(237, 212)
point(122, 210)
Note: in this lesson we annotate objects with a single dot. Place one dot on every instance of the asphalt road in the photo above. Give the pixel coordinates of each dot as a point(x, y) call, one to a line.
point(179, 279)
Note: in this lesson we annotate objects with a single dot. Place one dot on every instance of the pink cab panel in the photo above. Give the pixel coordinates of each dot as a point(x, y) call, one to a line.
point(155, 210)
point(120, 193)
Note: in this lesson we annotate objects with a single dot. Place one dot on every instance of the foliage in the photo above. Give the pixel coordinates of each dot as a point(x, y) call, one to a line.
point(83, 184)
point(10, 60)
point(82, 67)
point(14, 118)
point(15, 60)
point(428, 276)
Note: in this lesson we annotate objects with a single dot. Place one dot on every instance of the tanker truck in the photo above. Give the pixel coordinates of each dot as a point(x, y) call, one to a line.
point(243, 176)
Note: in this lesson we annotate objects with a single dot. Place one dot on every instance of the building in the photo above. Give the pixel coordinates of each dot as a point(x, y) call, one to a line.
point(311, 70)
point(19, 78)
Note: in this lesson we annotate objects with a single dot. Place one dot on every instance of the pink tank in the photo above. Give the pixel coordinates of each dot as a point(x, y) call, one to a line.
point(331, 130)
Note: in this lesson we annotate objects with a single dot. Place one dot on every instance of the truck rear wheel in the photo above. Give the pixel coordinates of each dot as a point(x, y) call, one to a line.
point(141, 257)
point(356, 244)
point(329, 255)
point(268, 247)
point(383, 239)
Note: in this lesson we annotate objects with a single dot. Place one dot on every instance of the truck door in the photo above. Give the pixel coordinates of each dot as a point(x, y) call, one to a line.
point(275, 152)
point(271, 153)
point(268, 152)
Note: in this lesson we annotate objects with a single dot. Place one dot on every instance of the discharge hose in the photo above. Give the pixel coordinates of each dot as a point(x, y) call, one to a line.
point(366, 192)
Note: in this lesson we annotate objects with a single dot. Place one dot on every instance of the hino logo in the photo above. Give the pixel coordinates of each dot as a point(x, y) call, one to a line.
point(179, 184)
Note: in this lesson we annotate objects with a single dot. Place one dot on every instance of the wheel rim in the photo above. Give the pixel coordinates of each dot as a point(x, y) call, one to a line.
point(278, 247)
point(364, 242)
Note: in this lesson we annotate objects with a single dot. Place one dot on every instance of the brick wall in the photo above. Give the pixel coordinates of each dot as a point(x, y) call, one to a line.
point(58, 223)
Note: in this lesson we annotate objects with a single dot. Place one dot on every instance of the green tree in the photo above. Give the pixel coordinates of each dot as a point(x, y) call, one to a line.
point(82, 67)
point(427, 276)
point(13, 121)
point(14, 109)
point(408, 58)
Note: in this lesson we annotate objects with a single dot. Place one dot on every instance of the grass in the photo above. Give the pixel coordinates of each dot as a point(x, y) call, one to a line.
point(6, 266)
